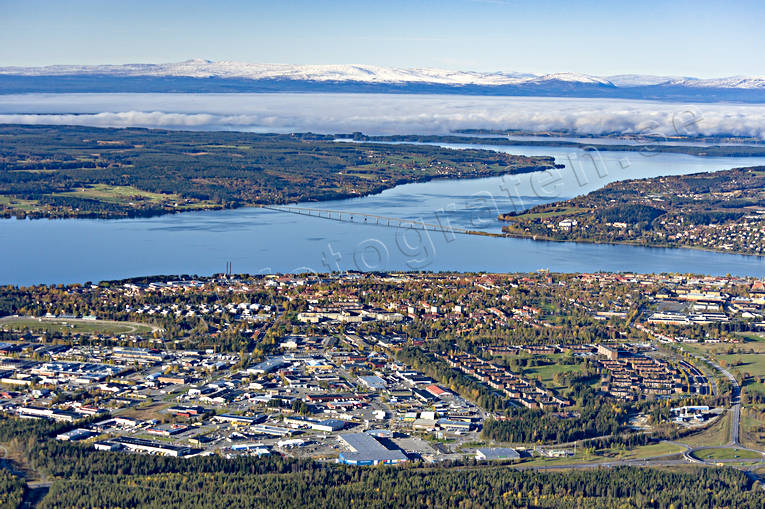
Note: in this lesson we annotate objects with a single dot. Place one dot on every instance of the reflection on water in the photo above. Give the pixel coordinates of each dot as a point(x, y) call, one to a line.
point(260, 241)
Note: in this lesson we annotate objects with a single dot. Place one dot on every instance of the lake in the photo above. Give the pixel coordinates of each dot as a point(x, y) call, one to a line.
point(263, 241)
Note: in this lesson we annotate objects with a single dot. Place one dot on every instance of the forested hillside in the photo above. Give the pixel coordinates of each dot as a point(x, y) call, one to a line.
point(719, 211)
point(65, 171)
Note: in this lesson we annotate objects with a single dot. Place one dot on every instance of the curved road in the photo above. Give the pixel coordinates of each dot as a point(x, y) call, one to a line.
point(735, 400)
point(688, 455)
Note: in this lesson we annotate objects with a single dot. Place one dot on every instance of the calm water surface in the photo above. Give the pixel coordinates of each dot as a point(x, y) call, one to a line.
point(258, 240)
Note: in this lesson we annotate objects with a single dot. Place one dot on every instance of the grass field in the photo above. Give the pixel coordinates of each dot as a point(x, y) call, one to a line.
point(649, 451)
point(752, 336)
point(754, 386)
point(726, 454)
point(118, 194)
point(124, 196)
point(751, 436)
point(547, 373)
point(565, 212)
point(752, 363)
point(50, 325)
point(16, 202)
point(606, 455)
point(717, 434)
point(745, 357)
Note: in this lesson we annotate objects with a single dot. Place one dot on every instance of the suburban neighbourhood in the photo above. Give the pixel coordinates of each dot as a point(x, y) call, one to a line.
point(375, 368)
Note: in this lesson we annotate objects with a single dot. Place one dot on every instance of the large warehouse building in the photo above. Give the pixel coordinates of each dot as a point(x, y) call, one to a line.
point(367, 450)
point(496, 453)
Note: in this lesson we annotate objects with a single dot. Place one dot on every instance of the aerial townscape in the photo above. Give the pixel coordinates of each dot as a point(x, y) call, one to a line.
point(534, 369)
point(457, 254)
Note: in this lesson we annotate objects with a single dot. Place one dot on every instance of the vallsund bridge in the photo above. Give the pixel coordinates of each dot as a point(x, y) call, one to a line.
point(346, 216)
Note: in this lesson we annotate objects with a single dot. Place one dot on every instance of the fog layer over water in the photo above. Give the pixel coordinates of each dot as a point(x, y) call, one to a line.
point(381, 113)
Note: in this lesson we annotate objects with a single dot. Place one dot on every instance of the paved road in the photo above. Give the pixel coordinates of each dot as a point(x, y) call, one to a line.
point(735, 399)
point(735, 426)
point(36, 490)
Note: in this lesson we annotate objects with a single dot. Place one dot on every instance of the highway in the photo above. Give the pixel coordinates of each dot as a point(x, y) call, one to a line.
point(665, 460)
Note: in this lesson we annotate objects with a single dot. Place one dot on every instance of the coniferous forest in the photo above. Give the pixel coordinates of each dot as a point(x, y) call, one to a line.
point(83, 477)
point(90, 479)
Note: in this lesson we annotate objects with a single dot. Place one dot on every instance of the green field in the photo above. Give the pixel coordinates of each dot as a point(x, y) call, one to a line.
point(752, 337)
point(753, 363)
point(547, 373)
point(118, 194)
point(131, 196)
point(605, 455)
point(73, 326)
point(747, 357)
point(569, 211)
point(8, 201)
point(650, 451)
point(727, 454)
point(753, 386)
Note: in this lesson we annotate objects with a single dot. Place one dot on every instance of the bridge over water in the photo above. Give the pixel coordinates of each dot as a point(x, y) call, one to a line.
point(347, 216)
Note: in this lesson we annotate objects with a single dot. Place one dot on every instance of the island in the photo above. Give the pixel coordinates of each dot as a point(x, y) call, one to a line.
point(69, 171)
point(720, 211)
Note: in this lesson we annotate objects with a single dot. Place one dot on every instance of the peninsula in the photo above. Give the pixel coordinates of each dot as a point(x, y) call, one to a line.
point(720, 211)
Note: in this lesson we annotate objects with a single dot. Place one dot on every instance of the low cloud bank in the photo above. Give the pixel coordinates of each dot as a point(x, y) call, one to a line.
point(381, 114)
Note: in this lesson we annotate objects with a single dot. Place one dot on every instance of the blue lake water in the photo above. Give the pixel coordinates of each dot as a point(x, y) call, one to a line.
point(258, 240)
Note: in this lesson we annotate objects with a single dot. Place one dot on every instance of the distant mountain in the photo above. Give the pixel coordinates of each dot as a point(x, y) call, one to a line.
point(640, 80)
point(206, 76)
point(738, 82)
point(198, 68)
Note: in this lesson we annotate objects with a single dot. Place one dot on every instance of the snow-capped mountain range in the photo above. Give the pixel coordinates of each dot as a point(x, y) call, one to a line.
point(199, 68)
point(207, 76)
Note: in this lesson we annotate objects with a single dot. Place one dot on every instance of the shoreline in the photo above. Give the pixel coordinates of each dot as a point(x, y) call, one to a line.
point(537, 238)
point(341, 197)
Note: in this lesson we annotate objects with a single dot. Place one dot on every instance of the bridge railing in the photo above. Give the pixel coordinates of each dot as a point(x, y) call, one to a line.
point(364, 218)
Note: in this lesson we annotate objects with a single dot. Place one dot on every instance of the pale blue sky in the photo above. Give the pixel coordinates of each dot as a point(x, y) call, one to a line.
point(693, 38)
